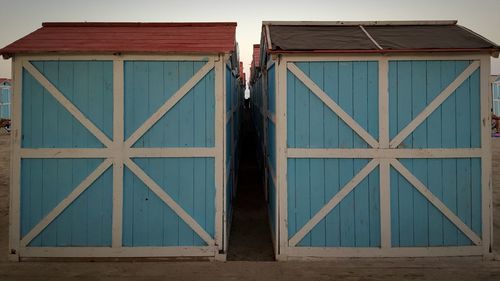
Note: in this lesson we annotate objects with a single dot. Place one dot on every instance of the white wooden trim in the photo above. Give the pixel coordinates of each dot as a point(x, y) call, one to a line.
point(309, 252)
point(109, 57)
point(59, 153)
point(486, 177)
point(106, 252)
point(365, 23)
point(118, 138)
point(153, 186)
point(436, 202)
point(365, 153)
point(434, 104)
point(281, 158)
point(170, 103)
point(70, 107)
point(371, 38)
point(15, 161)
point(86, 183)
point(333, 105)
point(383, 102)
point(333, 202)
point(385, 204)
point(219, 148)
point(167, 152)
point(377, 57)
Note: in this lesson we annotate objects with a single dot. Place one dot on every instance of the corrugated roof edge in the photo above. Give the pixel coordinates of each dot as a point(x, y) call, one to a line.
point(136, 24)
point(357, 23)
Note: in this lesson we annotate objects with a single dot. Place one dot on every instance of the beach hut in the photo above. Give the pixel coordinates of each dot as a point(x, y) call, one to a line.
point(5, 92)
point(495, 91)
point(378, 138)
point(120, 141)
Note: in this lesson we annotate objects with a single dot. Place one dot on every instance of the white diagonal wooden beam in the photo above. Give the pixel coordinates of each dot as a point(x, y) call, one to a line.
point(333, 202)
point(333, 105)
point(84, 185)
point(153, 186)
point(434, 105)
point(171, 102)
point(435, 201)
point(67, 104)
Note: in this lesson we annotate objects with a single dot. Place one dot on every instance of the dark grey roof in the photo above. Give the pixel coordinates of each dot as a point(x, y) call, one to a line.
point(374, 37)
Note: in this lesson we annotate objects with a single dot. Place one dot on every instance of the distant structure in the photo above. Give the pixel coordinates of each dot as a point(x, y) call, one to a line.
point(495, 92)
point(5, 91)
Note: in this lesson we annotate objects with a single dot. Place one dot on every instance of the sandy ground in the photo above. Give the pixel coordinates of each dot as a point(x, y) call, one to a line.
point(340, 269)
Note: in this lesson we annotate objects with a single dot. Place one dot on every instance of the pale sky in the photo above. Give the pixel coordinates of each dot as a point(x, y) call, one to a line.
point(20, 17)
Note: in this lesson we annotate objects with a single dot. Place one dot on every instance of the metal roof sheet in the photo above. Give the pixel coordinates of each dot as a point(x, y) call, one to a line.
point(127, 37)
point(374, 37)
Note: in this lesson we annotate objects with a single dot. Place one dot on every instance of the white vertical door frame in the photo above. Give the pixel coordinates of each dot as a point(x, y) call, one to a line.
point(486, 177)
point(220, 155)
point(15, 161)
point(384, 140)
point(118, 152)
point(281, 157)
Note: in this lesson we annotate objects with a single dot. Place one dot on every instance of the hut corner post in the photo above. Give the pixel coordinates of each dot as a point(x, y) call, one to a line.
point(281, 158)
point(15, 143)
point(220, 160)
point(487, 203)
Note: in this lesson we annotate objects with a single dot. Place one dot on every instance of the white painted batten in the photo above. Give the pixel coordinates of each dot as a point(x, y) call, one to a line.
point(171, 152)
point(84, 185)
point(60, 153)
point(357, 23)
point(219, 147)
point(281, 158)
point(125, 252)
point(366, 153)
point(309, 253)
point(15, 161)
point(339, 57)
point(429, 109)
point(383, 102)
point(158, 190)
point(418, 185)
point(333, 105)
point(170, 103)
point(112, 57)
point(486, 170)
point(118, 139)
point(333, 202)
point(70, 107)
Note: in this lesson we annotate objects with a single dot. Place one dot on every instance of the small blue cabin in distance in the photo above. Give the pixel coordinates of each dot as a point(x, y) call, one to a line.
point(377, 138)
point(5, 97)
point(124, 137)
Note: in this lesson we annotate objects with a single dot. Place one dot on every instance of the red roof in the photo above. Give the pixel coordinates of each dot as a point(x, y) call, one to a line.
point(217, 37)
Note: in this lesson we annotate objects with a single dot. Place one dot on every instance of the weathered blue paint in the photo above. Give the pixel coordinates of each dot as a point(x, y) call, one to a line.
point(271, 144)
point(46, 182)
point(312, 183)
point(455, 124)
point(311, 124)
point(149, 84)
point(147, 221)
point(47, 124)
